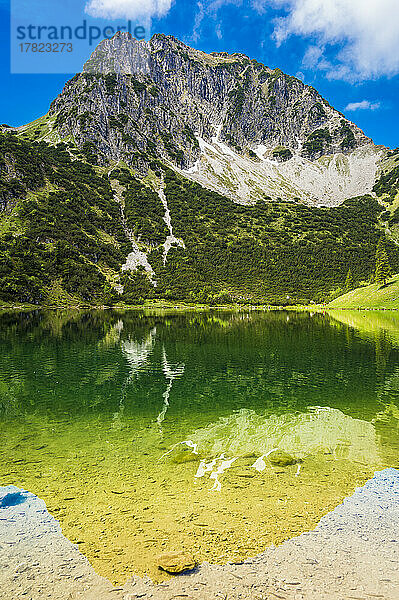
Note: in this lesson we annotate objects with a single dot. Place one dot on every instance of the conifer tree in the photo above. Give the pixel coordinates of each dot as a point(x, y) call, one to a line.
point(349, 283)
point(382, 268)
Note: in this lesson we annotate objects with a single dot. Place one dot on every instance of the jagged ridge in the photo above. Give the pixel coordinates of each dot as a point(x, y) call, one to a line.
point(233, 124)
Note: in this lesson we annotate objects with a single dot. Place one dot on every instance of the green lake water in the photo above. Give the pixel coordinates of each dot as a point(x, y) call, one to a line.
point(154, 431)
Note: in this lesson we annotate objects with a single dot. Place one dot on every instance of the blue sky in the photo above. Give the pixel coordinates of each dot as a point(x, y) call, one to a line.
point(347, 49)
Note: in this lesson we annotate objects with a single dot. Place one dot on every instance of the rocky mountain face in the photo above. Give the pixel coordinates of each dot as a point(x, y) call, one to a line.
point(226, 121)
point(164, 172)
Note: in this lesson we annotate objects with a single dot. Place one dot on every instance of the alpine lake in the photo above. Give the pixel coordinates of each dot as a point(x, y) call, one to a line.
point(218, 433)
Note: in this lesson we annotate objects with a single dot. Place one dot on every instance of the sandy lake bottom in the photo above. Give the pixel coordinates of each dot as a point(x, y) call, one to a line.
point(216, 434)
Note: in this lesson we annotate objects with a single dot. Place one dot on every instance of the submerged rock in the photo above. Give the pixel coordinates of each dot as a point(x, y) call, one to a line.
point(246, 460)
point(175, 562)
point(247, 473)
point(183, 454)
point(279, 458)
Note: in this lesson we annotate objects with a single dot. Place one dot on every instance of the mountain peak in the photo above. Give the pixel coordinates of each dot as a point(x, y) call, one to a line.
point(124, 54)
point(225, 120)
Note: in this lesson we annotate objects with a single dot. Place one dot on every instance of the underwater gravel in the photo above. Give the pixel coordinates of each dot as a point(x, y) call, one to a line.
point(353, 553)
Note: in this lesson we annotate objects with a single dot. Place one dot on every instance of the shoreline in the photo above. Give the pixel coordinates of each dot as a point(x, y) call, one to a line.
point(182, 306)
point(352, 553)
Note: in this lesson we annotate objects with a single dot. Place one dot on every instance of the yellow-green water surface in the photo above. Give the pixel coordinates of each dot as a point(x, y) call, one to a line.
point(145, 433)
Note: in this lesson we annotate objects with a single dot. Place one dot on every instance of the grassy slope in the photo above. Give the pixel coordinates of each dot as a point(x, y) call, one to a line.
point(371, 296)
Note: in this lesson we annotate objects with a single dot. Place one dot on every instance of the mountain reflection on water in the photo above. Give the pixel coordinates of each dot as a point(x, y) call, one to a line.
point(325, 430)
point(133, 417)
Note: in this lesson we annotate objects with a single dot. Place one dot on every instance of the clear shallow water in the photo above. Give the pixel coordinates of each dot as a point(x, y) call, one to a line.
point(94, 407)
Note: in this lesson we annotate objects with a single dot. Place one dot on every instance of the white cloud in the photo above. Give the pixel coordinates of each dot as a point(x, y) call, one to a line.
point(128, 9)
point(199, 17)
point(314, 58)
point(209, 9)
point(363, 105)
point(367, 32)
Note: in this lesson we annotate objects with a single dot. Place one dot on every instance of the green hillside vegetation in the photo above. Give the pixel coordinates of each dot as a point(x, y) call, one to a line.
point(387, 185)
point(271, 250)
point(63, 241)
point(59, 224)
point(371, 296)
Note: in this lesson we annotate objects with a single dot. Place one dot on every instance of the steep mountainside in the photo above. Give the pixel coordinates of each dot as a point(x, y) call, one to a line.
point(71, 232)
point(60, 228)
point(164, 172)
point(227, 121)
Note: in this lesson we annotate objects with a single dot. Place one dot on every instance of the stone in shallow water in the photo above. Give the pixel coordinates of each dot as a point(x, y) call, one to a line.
point(280, 458)
point(182, 455)
point(247, 473)
point(175, 562)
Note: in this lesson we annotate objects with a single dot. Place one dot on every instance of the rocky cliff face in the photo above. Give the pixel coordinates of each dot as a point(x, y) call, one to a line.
point(227, 121)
